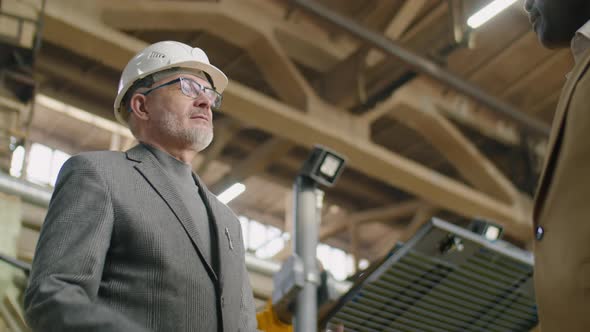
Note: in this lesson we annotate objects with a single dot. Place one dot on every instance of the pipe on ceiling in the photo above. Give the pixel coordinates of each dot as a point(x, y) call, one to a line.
point(27, 191)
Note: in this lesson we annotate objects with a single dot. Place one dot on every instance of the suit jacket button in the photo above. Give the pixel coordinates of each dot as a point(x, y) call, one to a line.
point(539, 232)
point(222, 301)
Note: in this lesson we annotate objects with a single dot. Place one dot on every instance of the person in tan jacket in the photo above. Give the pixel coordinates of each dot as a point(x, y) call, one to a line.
point(561, 213)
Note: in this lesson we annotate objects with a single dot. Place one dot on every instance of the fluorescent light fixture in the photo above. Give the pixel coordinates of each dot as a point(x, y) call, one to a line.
point(82, 115)
point(323, 166)
point(488, 12)
point(232, 192)
point(489, 230)
point(330, 165)
point(492, 233)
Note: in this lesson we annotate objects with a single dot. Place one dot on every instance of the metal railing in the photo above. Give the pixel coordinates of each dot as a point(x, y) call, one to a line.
point(24, 266)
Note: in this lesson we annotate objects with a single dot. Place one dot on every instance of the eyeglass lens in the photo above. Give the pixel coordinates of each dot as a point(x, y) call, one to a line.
point(193, 89)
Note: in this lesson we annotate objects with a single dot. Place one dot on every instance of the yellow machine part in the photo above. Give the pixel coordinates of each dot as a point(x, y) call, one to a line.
point(269, 322)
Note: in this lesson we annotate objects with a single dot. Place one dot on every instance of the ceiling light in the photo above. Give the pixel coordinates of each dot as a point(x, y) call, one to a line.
point(232, 192)
point(492, 233)
point(323, 166)
point(489, 230)
point(488, 12)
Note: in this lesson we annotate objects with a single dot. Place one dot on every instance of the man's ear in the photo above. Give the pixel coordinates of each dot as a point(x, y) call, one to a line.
point(138, 107)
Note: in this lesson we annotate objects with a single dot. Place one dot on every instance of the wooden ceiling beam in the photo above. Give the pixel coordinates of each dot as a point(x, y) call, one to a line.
point(453, 105)
point(304, 43)
point(224, 131)
point(423, 214)
point(61, 69)
point(348, 74)
point(458, 150)
point(255, 163)
point(542, 104)
point(398, 25)
point(232, 21)
point(104, 111)
point(345, 82)
point(422, 115)
point(256, 213)
point(346, 184)
point(535, 75)
point(336, 224)
point(108, 47)
point(384, 214)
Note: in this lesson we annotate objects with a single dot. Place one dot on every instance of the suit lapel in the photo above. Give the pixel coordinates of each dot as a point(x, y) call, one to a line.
point(149, 167)
point(218, 253)
point(557, 131)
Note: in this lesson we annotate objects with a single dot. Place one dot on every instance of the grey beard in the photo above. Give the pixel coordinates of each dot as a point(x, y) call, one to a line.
point(198, 138)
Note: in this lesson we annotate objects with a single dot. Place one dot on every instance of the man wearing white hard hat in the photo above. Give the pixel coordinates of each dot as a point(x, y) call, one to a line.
point(134, 241)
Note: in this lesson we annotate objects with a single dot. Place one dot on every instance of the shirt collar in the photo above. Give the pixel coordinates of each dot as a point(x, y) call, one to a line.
point(581, 41)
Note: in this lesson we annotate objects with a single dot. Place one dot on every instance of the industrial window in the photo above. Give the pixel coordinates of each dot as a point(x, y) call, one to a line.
point(265, 241)
point(43, 165)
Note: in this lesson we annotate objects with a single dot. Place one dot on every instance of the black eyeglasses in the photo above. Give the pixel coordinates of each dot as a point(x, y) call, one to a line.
point(193, 89)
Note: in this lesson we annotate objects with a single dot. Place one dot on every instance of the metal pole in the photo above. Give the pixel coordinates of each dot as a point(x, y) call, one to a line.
point(29, 192)
point(306, 234)
point(427, 67)
point(26, 267)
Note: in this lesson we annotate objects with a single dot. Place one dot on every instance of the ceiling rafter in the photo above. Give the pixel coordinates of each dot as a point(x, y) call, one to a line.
point(453, 105)
point(58, 68)
point(394, 30)
point(345, 82)
point(537, 74)
point(232, 23)
point(338, 223)
point(225, 130)
point(423, 214)
point(544, 103)
point(443, 135)
point(345, 183)
point(255, 163)
point(383, 214)
point(306, 44)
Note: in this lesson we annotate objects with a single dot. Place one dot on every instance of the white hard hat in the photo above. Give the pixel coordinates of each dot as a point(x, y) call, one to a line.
point(161, 56)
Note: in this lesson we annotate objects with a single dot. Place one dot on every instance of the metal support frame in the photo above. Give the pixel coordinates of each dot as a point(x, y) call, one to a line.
point(427, 67)
point(308, 203)
point(445, 278)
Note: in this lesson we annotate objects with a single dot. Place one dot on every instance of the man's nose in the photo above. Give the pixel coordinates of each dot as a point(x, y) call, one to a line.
point(202, 102)
point(528, 5)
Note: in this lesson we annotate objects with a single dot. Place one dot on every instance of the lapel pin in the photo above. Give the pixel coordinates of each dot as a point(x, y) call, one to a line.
point(231, 245)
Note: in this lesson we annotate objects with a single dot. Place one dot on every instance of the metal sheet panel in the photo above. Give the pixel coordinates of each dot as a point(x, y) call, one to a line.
point(444, 279)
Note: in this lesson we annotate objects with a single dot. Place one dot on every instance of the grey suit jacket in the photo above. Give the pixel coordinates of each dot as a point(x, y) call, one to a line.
point(119, 252)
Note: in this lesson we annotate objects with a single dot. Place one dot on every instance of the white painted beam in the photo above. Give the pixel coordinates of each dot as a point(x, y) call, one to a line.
point(385, 214)
point(459, 151)
point(397, 26)
point(255, 163)
point(225, 130)
point(305, 43)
